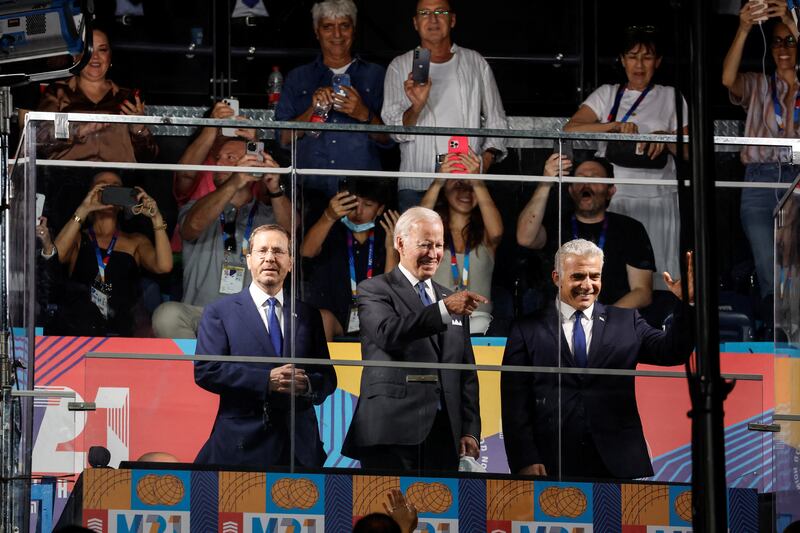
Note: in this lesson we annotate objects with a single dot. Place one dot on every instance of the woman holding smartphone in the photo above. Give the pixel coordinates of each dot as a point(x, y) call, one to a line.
point(638, 105)
point(473, 230)
point(103, 263)
point(772, 103)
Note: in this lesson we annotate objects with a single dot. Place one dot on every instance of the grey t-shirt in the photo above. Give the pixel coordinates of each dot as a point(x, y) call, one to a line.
point(203, 258)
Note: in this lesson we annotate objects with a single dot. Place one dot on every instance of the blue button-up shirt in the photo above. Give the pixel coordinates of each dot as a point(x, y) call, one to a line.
point(333, 150)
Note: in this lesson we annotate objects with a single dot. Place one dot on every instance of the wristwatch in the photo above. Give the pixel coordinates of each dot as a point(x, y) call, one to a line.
point(278, 193)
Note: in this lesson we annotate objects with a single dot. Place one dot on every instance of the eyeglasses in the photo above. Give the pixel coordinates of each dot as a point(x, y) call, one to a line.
point(436, 12)
point(787, 42)
point(277, 253)
point(229, 229)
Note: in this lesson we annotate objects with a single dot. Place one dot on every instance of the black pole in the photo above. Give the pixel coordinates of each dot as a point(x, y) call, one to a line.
point(707, 388)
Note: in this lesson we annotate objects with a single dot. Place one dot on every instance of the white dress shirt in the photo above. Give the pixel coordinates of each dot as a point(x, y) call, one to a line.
point(260, 299)
point(568, 324)
point(429, 290)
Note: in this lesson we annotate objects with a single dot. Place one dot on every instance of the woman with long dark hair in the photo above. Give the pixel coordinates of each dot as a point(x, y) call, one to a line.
point(473, 229)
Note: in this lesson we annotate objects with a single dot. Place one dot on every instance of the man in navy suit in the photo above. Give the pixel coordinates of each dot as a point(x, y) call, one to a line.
point(253, 422)
point(582, 424)
point(415, 418)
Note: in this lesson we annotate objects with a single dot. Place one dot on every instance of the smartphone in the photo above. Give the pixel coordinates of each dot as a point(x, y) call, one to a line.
point(122, 196)
point(256, 148)
point(136, 93)
point(344, 185)
point(759, 6)
point(565, 147)
point(234, 104)
point(421, 66)
point(39, 205)
point(458, 145)
point(339, 81)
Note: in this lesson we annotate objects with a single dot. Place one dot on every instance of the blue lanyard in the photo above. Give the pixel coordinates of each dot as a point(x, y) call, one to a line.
point(776, 104)
point(612, 115)
point(102, 259)
point(459, 282)
point(352, 260)
point(247, 230)
point(601, 241)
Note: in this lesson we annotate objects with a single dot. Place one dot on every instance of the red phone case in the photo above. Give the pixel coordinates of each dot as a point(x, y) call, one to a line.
point(458, 145)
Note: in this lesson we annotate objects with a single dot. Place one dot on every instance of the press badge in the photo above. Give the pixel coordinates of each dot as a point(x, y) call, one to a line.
point(100, 299)
point(232, 280)
point(353, 325)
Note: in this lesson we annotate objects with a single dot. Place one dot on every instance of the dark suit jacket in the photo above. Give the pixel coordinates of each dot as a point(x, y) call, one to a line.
point(394, 406)
point(603, 406)
point(252, 424)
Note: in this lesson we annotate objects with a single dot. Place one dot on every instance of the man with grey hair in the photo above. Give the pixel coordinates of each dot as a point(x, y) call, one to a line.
point(422, 418)
point(356, 102)
point(579, 424)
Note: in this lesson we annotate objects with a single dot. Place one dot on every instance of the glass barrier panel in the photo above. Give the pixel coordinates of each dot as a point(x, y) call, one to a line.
point(786, 473)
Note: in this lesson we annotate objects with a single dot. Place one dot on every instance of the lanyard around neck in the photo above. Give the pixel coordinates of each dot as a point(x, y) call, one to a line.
point(601, 241)
point(459, 282)
point(352, 260)
point(612, 116)
point(102, 258)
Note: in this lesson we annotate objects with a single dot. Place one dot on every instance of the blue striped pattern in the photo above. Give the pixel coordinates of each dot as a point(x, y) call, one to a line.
point(607, 502)
point(338, 503)
point(471, 505)
point(334, 416)
point(748, 458)
point(204, 502)
point(743, 511)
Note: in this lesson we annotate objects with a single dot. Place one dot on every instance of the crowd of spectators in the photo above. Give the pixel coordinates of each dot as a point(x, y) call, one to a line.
point(96, 273)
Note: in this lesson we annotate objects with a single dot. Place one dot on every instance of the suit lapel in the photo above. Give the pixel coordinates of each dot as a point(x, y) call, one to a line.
point(287, 326)
point(252, 322)
point(552, 322)
point(598, 328)
point(409, 296)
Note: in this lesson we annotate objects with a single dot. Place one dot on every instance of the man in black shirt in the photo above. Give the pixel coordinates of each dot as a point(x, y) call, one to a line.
point(628, 269)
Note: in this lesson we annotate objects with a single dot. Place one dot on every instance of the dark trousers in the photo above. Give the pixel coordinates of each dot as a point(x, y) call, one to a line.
point(580, 458)
point(435, 453)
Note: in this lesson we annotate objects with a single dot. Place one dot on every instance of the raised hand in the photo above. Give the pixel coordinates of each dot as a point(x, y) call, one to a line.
point(464, 302)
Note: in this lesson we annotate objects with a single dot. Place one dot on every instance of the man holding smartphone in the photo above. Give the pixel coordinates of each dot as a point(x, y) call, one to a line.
point(459, 90)
point(357, 100)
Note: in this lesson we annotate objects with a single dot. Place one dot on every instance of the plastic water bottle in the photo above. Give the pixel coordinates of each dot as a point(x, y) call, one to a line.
point(319, 116)
point(274, 87)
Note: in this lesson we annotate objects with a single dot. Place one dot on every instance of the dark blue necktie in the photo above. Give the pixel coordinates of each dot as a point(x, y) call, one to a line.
point(423, 294)
point(275, 336)
point(250, 3)
point(579, 341)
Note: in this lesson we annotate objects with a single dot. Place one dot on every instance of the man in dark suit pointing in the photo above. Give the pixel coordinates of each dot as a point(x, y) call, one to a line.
point(582, 424)
point(410, 418)
point(254, 418)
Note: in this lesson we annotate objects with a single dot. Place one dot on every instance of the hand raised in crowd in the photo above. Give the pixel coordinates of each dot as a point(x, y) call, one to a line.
point(464, 302)
point(252, 160)
point(340, 204)
point(468, 446)
point(388, 222)
point(281, 378)
point(552, 164)
point(401, 511)
point(222, 111)
point(92, 202)
point(675, 285)
point(417, 94)
point(149, 207)
point(351, 104)
point(43, 234)
point(135, 107)
point(468, 163)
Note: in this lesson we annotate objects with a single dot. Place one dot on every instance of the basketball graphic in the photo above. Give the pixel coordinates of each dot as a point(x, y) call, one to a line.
point(429, 497)
point(683, 505)
point(153, 489)
point(291, 493)
point(241, 492)
point(558, 502)
point(369, 493)
point(107, 488)
point(645, 504)
point(509, 500)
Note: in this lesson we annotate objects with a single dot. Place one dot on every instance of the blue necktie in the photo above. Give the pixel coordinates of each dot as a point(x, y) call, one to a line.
point(275, 336)
point(423, 294)
point(579, 341)
point(250, 3)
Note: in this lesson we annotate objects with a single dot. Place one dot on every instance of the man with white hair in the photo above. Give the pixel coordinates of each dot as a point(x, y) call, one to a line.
point(583, 425)
point(358, 102)
point(415, 418)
